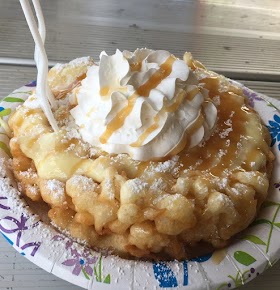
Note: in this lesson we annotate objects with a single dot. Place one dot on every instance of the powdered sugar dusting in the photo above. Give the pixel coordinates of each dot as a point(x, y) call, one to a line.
point(137, 185)
point(158, 184)
point(72, 133)
point(2, 167)
point(32, 189)
point(173, 166)
point(16, 205)
point(29, 173)
point(56, 187)
point(229, 128)
point(87, 60)
point(86, 183)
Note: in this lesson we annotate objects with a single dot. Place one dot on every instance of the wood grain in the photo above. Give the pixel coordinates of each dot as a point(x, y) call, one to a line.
point(239, 41)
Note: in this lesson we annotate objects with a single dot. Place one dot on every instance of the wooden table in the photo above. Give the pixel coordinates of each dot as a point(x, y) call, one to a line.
point(238, 38)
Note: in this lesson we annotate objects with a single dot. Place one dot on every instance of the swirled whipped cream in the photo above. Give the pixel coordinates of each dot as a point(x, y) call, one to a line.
point(147, 104)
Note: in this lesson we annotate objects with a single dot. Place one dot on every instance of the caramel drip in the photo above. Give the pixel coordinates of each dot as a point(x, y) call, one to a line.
point(212, 85)
point(238, 129)
point(164, 71)
point(196, 125)
point(170, 109)
point(118, 120)
point(229, 102)
point(180, 98)
point(144, 90)
point(62, 94)
point(147, 132)
point(104, 91)
point(136, 66)
point(218, 256)
point(185, 142)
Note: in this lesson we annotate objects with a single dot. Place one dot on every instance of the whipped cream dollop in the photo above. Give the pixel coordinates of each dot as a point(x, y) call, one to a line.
point(147, 104)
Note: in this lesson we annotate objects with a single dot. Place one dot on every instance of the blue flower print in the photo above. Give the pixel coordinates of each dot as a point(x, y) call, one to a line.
point(274, 130)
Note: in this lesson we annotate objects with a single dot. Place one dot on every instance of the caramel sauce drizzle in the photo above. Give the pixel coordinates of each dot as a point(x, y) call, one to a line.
point(170, 109)
point(136, 66)
point(229, 102)
point(62, 94)
point(147, 132)
point(104, 91)
point(180, 98)
point(144, 90)
point(164, 71)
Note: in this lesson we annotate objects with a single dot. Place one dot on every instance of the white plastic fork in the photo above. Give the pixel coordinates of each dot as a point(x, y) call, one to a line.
point(43, 91)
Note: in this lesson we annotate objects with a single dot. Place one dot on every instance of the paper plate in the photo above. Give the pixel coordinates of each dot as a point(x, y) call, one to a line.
point(257, 249)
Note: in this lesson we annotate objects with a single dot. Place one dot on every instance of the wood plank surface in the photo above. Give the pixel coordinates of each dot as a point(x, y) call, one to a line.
point(244, 45)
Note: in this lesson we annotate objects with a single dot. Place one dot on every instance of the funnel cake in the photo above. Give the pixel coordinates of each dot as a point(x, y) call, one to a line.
point(173, 207)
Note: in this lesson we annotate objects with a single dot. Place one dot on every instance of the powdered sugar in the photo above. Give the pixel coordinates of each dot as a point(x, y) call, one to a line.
point(3, 170)
point(222, 153)
point(85, 183)
point(172, 166)
point(29, 173)
point(72, 133)
point(221, 198)
point(32, 189)
point(137, 185)
point(223, 134)
point(13, 201)
point(87, 60)
point(158, 184)
point(56, 187)
point(32, 102)
point(94, 152)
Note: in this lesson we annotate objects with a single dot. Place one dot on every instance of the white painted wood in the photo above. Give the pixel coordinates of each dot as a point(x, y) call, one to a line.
point(249, 15)
point(13, 77)
point(232, 37)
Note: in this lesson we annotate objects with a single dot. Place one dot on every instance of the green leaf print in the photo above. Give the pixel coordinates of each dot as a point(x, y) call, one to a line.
point(254, 239)
point(277, 225)
point(107, 279)
point(5, 112)
point(244, 258)
point(98, 273)
point(85, 274)
point(18, 92)
point(13, 100)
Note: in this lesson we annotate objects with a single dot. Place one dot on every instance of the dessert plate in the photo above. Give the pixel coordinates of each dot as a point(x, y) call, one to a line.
point(253, 251)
